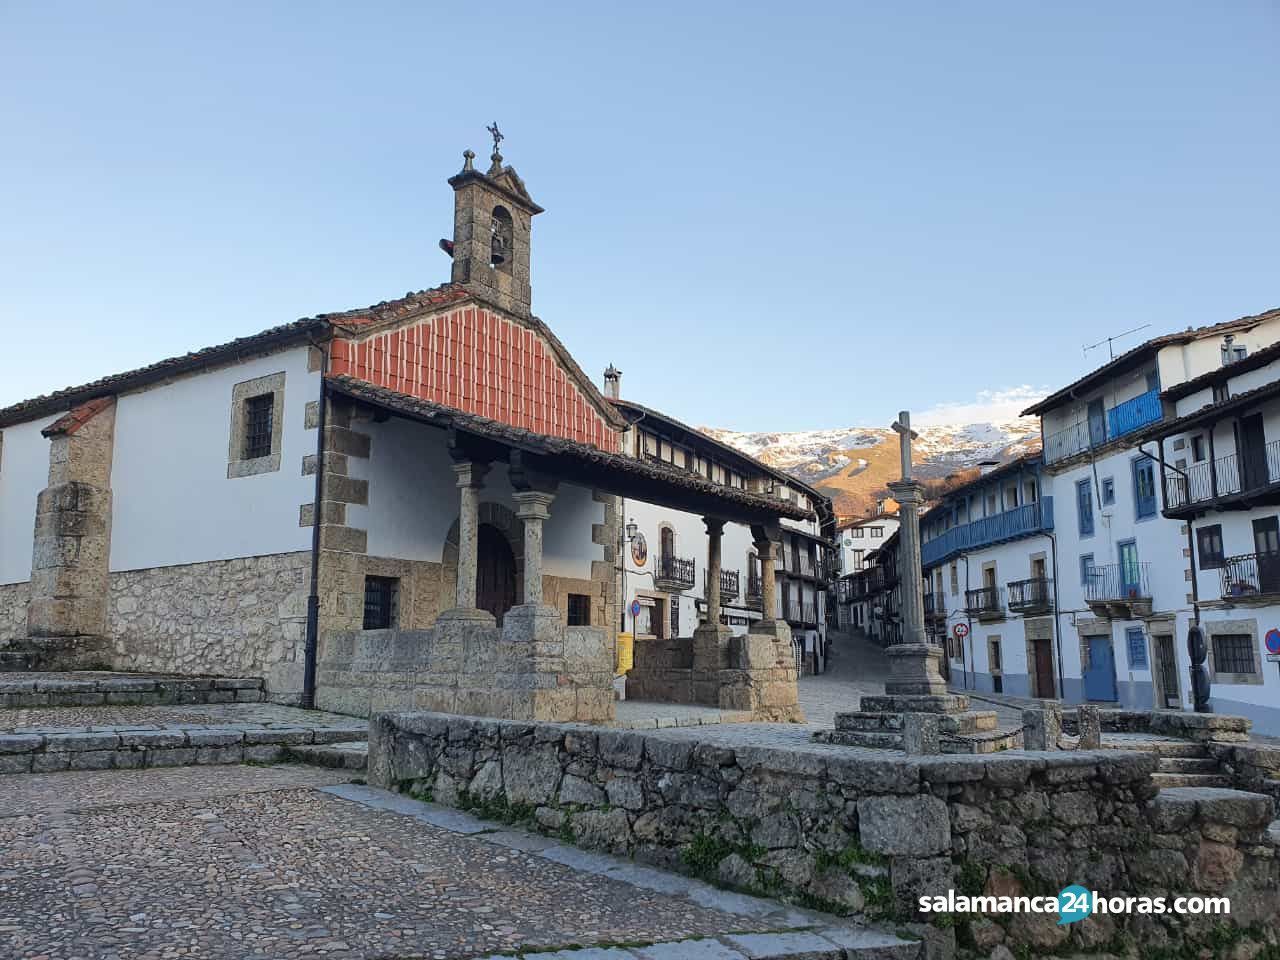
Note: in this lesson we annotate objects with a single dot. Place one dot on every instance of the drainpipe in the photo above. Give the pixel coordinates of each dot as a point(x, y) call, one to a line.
point(1057, 612)
point(312, 642)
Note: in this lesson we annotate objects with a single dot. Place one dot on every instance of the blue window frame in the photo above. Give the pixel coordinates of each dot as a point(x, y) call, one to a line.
point(1086, 567)
point(1144, 488)
point(1137, 644)
point(1108, 490)
point(1084, 507)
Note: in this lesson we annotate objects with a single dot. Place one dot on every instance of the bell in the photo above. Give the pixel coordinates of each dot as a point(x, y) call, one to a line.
point(496, 255)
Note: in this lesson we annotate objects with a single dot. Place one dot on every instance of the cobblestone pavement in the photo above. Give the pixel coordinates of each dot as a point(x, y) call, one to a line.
point(213, 714)
point(248, 862)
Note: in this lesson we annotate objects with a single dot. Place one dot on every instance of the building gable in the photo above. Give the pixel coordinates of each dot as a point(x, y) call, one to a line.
point(478, 361)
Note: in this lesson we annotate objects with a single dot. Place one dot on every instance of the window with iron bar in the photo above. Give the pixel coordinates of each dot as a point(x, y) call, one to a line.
point(381, 602)
point(259, 414)
point(1233, 653)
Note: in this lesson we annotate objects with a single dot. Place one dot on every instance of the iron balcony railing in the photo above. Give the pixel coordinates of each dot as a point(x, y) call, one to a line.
point(1021, 521)
point(1123, 418)
point(1116, 582)
point(935, 605)
point(808, 613)
point(1030, 596)
point(983, 601)
point(1251, 574)
point(674, 572)
point(728, 583)
point(1226, 477)
point(755, 589)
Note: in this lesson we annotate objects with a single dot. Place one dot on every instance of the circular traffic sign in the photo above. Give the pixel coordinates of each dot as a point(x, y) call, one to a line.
point(960, 631)
point(635, 608)
point(1273, 641)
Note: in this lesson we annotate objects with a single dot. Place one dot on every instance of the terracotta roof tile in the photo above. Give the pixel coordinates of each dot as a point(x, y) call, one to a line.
point(77, 417)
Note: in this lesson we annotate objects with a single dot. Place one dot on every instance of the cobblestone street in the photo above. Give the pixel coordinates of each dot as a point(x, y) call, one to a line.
point(246, 862)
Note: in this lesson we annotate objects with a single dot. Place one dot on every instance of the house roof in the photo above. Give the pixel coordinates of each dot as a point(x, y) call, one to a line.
point(1140, 354)
point(626, 476)
point(1224, 373)
point(1211, 412)
point(61, 401)
point(357, 322)
point(724, 447)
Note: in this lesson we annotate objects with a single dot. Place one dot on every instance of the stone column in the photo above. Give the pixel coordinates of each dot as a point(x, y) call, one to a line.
point(470, 482)
point(532, 507)
point(715, 530)
point(909, 496)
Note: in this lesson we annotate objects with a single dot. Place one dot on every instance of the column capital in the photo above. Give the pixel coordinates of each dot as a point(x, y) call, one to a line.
point(764, 549)
point(533, 504)
point(714, 525)
point(906, 491)
point(470, 473)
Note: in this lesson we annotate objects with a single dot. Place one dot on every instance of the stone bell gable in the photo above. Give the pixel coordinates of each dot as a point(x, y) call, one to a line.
point(476, 359)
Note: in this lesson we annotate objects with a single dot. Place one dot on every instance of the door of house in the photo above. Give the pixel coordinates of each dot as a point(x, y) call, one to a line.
point(1130, 571)
point(1097, 423)
point(1043, 653)
point(1166, 669)
point(1251, 445)
point(1100, 675)
point(1266, 542)
point(495, 572)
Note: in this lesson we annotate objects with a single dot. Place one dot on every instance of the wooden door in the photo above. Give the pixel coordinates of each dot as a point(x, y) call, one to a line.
point(1044, 668)
point(1100, 676)
point(1266, 542)
point(495, 572)
point(1167, 672)
point(1252, 450)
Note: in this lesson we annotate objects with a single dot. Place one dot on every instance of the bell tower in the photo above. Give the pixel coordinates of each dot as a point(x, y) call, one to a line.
point(492, 213)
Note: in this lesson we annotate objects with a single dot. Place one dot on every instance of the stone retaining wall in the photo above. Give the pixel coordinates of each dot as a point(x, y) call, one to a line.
point(14, 598)
point(864, 832)
point(246, 616)
point(532, 667)
point(1202, 727)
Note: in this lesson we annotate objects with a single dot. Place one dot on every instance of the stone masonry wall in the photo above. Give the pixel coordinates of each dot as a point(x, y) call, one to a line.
point(242, 617)
point(867, 833)
point(13, 611)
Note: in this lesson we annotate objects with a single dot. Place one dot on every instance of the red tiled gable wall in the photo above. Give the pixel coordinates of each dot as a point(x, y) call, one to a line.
point(481, 363)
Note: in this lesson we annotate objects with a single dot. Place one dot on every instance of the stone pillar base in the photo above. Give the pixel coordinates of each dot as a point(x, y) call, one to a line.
point(913, 670)
point(710, 657)
point(762, 675)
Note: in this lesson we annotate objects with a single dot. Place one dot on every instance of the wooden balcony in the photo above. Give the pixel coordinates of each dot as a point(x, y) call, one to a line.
point(1031, 596)
point(935, 606)
point(1030, 518)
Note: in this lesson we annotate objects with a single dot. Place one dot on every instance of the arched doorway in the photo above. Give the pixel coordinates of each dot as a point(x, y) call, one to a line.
point(495, 572)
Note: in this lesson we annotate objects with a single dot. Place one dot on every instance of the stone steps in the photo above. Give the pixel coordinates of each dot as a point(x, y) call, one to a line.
point(92, 689)
point(16, 661)
point(1166, 781)
point(1187, 764)
point(987, 741)
point(974, 721)
point(352, 755)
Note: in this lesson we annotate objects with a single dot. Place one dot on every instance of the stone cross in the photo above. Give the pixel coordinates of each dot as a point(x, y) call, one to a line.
point(902, 426)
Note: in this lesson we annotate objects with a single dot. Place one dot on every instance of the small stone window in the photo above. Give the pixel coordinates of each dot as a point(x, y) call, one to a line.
point(257, 420)
point(381, 602)
point(1233, 654)
point(579, 610)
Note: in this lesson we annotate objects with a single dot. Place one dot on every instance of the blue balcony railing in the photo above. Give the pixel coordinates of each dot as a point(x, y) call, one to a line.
point(1021, 521)
point(1122, 419)
point(1129, 416)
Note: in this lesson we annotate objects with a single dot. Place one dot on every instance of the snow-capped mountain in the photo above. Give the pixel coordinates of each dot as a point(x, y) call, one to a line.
point(854, 463)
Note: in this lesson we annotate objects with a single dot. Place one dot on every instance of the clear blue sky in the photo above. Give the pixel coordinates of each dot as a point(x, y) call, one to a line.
point(770, 216)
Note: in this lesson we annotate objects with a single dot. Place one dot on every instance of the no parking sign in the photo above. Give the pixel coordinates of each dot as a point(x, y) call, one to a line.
point(1272, 643)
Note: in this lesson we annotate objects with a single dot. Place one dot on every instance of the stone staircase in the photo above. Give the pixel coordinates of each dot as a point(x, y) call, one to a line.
point(879, 722)
point(350, 755)
point(1180, 763)
point(16, 661)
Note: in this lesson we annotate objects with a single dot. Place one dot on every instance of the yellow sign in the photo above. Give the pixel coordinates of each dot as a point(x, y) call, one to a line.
point(626, 653)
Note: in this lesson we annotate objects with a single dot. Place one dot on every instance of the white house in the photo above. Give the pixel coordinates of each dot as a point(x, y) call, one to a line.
point(1124, 586)
point(856, 540)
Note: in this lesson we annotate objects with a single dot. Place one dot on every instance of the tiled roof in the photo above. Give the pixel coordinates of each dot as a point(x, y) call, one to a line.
point(1139, 353)
point(558, 446)
point(77, 417)
point(62, 400)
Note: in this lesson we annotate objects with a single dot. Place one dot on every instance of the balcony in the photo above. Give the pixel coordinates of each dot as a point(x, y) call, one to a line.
point(1122, 419)
point(809, 614)
point(935, 606)
point(1118, 591)
point(1030, 596)
point(1226, 479)
point(755, 591)
point(1251, 576)
point(805, 566)
point(674, 573)
point(1029, 519)
point(728, 584)
point(985, 603)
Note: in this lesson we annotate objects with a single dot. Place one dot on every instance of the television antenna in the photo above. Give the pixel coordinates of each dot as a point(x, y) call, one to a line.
point(1110, 341)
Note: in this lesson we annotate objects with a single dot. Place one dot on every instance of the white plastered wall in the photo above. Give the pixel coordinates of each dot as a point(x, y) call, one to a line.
point(24, 472)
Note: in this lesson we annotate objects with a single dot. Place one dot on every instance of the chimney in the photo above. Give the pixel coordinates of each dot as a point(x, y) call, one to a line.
point(613, 383)
point(986, 466)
